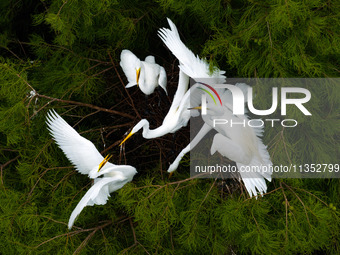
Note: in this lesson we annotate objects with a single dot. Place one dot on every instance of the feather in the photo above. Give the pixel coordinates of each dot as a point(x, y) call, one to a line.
point(81, 152)
point(98, 194)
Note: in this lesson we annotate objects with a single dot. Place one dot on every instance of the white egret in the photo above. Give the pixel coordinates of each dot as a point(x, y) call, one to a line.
point(239, 143)
point(199, 70)
point(177, 117)
point(87, 160)
point(192, 95)
point(145, 74)
point(190, 66)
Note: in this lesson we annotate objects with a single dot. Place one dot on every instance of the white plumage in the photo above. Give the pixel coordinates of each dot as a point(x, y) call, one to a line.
point(87, 160)
point(238, 143)
point(243, 145)
point(176, 118)
point(146, 74)
point(229, 142)
point(190, 66)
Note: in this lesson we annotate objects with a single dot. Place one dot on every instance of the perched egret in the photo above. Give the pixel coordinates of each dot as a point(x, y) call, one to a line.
point(145, 74)
point(239, 143)
point(190, 66)
point(87, 160)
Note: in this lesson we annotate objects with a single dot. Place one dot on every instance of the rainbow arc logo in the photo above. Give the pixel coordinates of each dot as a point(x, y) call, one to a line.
point(209, 93)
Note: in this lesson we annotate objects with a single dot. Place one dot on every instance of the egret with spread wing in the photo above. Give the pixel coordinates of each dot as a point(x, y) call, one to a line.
point(87, 160)
point(239, 143)
point(145, 74)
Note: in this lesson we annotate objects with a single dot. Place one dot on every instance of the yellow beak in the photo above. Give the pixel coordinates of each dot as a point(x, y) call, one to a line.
point(137, 75)
point(195, 108)
point(127, 137)
point(105, 160)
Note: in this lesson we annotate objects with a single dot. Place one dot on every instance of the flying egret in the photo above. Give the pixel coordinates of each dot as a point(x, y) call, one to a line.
point(87, 160)
point(239, 143)
point(145, 74)
point(190, 66)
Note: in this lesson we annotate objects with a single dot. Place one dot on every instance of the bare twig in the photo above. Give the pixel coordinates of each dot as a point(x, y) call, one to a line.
point(89, 106)
point(304, 207)
point(286, 208)
point(6, 164)
point(61, 8)
point(43, 173)
point(284, 144)
point(83, 243)
point(311, 195)
point(15, 55)
point(76, 103)
point(63, 48)
point(75, 233)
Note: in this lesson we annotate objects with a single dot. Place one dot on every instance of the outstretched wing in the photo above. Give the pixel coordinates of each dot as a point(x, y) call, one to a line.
point(128, 63)
point(249, 165)
point(98, 194)
point(190, 64)
point(81, 152)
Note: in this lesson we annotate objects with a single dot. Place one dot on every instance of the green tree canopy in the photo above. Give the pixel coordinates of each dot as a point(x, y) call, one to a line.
point(64, 54)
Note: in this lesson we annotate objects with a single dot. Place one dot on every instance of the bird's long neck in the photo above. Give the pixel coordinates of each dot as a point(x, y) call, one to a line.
point(183, 84)
point(170, 119)
point(153, 133)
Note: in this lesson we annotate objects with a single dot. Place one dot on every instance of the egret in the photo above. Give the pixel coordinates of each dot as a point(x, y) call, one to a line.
point(87, 160)
point(145, 74)
point(176, 118)
point(198, 69)
point(240, 144)
point(190, 66)
point(191, 95)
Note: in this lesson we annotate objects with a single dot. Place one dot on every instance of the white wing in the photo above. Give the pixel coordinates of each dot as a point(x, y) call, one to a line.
point(127, 62)
point(228, 148)
point(80, 151)
point(162, 80)
point(253, 180)
point(190, 64)
point(98, 194)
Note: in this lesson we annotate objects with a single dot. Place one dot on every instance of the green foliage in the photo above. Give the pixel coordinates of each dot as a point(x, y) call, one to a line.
point(65, 55)
point(281, 39)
